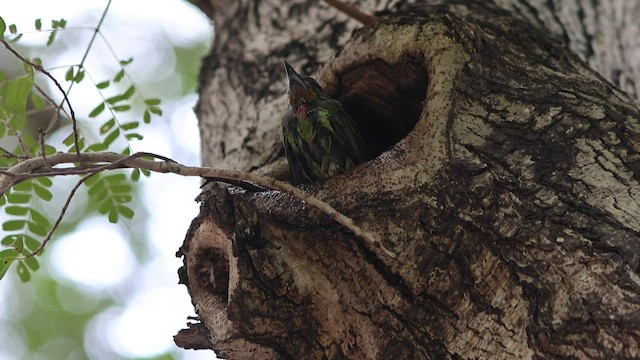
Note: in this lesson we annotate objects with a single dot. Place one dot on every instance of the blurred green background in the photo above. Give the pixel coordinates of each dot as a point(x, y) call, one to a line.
point(110, 291)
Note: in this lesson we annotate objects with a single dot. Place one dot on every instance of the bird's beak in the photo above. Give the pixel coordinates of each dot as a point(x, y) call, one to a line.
point(297, 85)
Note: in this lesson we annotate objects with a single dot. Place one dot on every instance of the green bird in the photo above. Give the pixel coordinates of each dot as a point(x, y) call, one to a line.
point(320, 137)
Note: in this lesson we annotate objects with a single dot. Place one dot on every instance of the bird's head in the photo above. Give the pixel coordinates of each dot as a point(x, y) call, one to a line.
point(302, 90)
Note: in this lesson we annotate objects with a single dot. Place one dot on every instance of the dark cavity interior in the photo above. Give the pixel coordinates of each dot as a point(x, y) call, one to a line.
point(385, 100)
point(213, 265)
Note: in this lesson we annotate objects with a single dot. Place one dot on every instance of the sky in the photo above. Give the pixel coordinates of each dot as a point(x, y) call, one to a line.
point(145, 30)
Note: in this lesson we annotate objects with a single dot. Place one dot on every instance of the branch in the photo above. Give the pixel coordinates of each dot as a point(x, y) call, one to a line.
point(60, 217)
point(352, 12)
point(38, 167)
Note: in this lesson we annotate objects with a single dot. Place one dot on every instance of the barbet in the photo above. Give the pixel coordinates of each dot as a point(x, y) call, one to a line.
point(320, 137)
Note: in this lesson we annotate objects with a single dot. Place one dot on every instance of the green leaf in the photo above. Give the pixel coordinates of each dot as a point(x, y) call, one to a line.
point(42, 192)
point(101, 195)
point(113, 216)
point(114, 99)
point(18, 244)
point(24, 186)
point(135, 175)
point(49, 150)
point(17, 93)
point(37, 101)
point(126, 62)
point(37, 61)
point(14, 225)
point(122, 198)
point(93, 180)
point(31, 243)
point(96, 188)
point(13, 29)
point(28, 68)
point(45, 181)
point(130, 91)
point(32, 263)
point(121, 189)
point(39, 219)
point(52, 37)
point(115, 178)
point(146, 117)
point(125, 211)
point(121, 108)
point(134, 136)
point(38, 24)
point(16, 210)
point(105, 207)
point(79, 76)
point(3, 27)
point(152, 101)
point(112, 137)
point(17, 198)
point(119, 76)
point(4, 266)
point(97, 147)
point(130, 125)
point(107, 126)
point(58, 24)
point(155, 110)
point(8, 254)
point(37, 229)
point(97, 110)
point(23, 272)
point(69, 74)
point(68, 141)
point(103, 85)
point(8, 240)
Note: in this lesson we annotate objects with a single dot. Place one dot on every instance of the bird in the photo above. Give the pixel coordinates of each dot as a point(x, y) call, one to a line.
point(320, 138)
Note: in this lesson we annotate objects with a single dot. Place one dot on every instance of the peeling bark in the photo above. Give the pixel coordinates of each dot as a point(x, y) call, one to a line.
point(506, 180)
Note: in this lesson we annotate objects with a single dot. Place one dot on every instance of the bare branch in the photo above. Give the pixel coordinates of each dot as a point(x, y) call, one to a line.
point(352, 12)
point(37, 167)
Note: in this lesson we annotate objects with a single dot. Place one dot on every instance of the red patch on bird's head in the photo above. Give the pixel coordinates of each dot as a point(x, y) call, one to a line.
point(301, 111)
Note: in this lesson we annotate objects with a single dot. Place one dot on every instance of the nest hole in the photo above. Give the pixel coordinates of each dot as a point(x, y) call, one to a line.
point(213, 272)
point(385, 100)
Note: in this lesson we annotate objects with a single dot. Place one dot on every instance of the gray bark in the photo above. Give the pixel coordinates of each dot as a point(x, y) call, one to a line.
point(506, 182)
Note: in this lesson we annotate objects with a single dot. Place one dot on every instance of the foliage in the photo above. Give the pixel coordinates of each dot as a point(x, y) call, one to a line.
point(27, 229)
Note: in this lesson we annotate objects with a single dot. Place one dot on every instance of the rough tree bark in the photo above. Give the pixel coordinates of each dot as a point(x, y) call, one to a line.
point(506, 183)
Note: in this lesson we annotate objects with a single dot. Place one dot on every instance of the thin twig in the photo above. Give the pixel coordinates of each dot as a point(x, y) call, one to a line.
point(47, 74)
point(81, 66)
point(352, 12)
point(9, 155)
point(63, 211)
point(43, 154)
point(92, 40)
point(27, 168)
point(56, 115)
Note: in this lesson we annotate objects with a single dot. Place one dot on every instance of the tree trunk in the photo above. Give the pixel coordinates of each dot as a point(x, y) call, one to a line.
point(506, 182)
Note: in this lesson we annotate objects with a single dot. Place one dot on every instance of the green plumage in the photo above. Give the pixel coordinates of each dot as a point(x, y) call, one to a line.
point(319, 136)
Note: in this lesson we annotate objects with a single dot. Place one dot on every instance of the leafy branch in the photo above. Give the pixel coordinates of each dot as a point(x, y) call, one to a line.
point(93, 163)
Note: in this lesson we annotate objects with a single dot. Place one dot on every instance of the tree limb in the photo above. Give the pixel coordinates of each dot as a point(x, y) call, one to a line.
point(109, 160)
